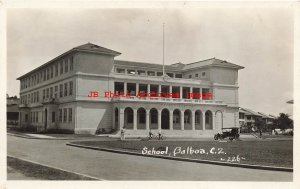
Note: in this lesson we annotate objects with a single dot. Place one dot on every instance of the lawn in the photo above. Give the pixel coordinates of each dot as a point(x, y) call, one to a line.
point(269, 153)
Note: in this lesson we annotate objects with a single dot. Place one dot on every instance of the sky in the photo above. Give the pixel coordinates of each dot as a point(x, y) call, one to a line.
point(260, 39)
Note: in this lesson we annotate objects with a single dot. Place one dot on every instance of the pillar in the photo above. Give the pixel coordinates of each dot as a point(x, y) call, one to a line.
point(125, 89)
point(171, 119)
point(191, 91)
point(148, 90)
point(180, 88)
point(193, 120)
point(135, 119)
point(159, 120)
point(114, 118)
point(203, 120)
point(170, 91)
point(147, 119)
point(137, 88)
point(121, 118)
point(213, 120)
point(201, 93)
point(182, 119)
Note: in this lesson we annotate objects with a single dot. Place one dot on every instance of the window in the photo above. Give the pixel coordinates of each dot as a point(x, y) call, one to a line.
point(159, 73)
point(154, 117)
point(70, 114)
point(241, 115)
point(120, 70)
point(130, 71)
point(203, 74)
point(61, 90)
point(66, 65)
point(65, 114)
point(37, 78)
point(51, 92)
point(48, 73)
point(141, 72)
point(51, 72)
point(38, 96)
point(71, 63)
point(44, 75)
point(170, 74)
point(41, 75)
point(47, 93)
point(55, 91)
point(56, 69)
point(71, 88)
point(61, 67)
point(196, 75)
point(60, 115)
point(32, 97)
point(36, 117)
point(190, 76)
point(44, 92)
point(178, 75)
point(28, 98)
point(66, 89)
point(53, 117)
point(151, 73)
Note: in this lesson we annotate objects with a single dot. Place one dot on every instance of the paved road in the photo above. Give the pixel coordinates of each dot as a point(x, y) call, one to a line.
point(112, 166)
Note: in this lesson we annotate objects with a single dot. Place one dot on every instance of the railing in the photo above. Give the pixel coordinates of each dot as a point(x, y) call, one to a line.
point(161, 99)
point(50, 100)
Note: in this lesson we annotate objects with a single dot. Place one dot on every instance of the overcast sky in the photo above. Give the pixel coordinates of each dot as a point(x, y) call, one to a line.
point(261, 40)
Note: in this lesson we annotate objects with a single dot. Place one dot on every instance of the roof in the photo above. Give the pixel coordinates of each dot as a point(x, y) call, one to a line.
point(173, 67)
point(265, 115)
point(88, 47)
point(250, 112)
point(212, 62)
point(96, 48)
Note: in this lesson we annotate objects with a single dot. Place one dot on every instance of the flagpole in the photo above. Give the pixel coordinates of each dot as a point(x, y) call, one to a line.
point(163, 49)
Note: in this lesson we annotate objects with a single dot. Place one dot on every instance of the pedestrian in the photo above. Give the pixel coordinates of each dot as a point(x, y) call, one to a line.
point(260, 133)
point(122, 134)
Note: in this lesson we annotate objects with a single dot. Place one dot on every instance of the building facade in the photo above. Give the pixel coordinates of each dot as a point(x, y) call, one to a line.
point(86, 90)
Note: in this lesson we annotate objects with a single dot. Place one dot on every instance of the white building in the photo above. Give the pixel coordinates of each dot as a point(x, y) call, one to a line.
point(74, 91)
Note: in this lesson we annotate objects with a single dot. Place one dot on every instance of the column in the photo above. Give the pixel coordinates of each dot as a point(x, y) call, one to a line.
point(147, 119)
point(193, 120)
point(201, 93)
point(136, 88)
point(159, 88)
point(148, 90)
point(135, 119)
point(191, 92)
point(125, 88)
point(180, 88)
point(170, 91)
point(203, 120)
point(171, 119)
point(182, 119)
point(159, 120)
point(121, 118)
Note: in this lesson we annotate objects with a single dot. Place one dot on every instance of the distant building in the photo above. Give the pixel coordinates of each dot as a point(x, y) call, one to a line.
point(73, 91)
point(12, 110)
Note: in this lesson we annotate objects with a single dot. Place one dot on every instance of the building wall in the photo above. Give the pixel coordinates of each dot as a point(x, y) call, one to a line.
point(199, 72)
point(224, 75)
point(91, 116)
point(229, 95)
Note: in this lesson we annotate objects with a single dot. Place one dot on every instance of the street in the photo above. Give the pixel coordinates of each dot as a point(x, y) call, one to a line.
point(114, 166)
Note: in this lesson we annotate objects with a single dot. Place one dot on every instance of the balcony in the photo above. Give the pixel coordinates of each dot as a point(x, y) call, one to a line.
point(167, 100)
point(50, 101)
point(25, 105)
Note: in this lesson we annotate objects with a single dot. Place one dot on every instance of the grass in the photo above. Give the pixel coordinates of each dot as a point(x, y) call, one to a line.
point(40, 172)
point(262, 152)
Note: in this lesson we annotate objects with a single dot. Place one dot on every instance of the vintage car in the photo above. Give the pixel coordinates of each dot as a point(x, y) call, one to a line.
point(231, 133)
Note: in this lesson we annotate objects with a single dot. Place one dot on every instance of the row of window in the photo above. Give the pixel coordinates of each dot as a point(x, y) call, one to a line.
point(144, 73)
point(34, 117)
point(203, 75)
point(64, 115)
point(48, 73)
point(65, 89)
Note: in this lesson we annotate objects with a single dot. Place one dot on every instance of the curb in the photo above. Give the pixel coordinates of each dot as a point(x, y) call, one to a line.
point(56, 168)
point(30, 137)
point(286, 169)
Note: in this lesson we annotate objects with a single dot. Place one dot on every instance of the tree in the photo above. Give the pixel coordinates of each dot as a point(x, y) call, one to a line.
point(283, 122)
point(259, 123)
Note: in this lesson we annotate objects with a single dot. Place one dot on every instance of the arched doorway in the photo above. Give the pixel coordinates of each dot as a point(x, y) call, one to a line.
point(153, 118)
point(165, 119)
point(176, 120)
point(208, 120)
point(198, 120)
point(128, 118)
point(141, 118)
point(187, 120)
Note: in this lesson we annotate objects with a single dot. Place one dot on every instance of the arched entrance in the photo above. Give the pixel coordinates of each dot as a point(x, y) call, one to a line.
point(176, 120)
point(128, 118)
point(208, 120)
point(187, 120)
point(117, 126)
point(165, 119)
point(153, 119)
point(141, 118)
point(198, 120)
